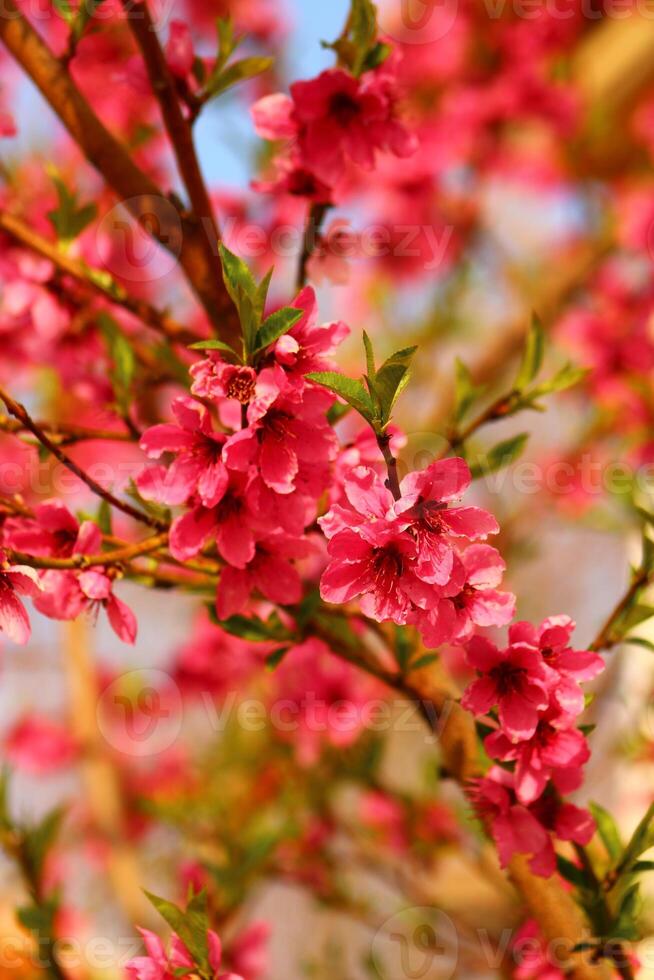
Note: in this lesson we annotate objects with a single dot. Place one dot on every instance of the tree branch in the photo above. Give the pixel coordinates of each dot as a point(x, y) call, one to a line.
point(92, 279)
point(183, 238)
point(177, 126)
point(20, 412)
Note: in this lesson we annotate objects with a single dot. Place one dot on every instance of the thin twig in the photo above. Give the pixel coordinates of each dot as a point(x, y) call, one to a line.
point(20, 412)
point(95, 280)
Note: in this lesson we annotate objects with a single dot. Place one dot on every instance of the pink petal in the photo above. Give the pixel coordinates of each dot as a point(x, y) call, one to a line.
point(235, 541)
point(95, 585)
point(470, 522)
point(189, 532)
point(279, 465)
point(278, 581)
point(233, 592)
point(341, 582)
point(165, 438)
point(122, 619)
point(240, 450)
point(518, 717)
point(14, 620)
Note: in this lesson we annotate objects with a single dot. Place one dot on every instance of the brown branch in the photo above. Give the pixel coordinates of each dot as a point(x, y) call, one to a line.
point(93, 280)
point(177, 126)
point(65, 432)
point(117, 557)
point(20, 412)
point(183, 238)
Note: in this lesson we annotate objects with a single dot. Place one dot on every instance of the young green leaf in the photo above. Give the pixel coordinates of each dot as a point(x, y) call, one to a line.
point(240, 71)
point(214, 345)
point(68, 219)
point(350, 390)
point(465, 392)
point(626, 923)
point(274, 659)
point(363, 31)
point(276, 326)
point(532, 358)
point(370, 356)
point(641, 841)
point(192, 925)
point(608, 830)
point(123, 361)
point(500, 456)
point(237, 275)
point(391, 380)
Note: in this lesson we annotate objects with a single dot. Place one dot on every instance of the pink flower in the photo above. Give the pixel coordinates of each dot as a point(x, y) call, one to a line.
point(514, 679)
point(213, 378)
point(514, 828)
point(308, 345)
point(425, 505)
point(16, 580)
point(7, 124)
point(286, 428)
point(469, 599)
point(231, 522)
point(569, 666)
point(159, 965)
point(550, 754)
point(373, 562)
point(270, 572)
point(179, 49)
point(198, 468)
point(53, 531)
point(39, 746)
point(97, 588)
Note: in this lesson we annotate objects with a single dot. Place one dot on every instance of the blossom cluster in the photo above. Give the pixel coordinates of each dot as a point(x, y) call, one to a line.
point(329, 123)
point(253, 485)
point(406, 558)
point(54, 532)
point(532, 690)
point(158, 964)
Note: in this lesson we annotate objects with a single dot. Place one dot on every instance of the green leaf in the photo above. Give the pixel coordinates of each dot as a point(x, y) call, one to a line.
point(64, 9)
point(237, 275)
point(363, 31)
point(276, 326)
point(370, 356)
point(38, 918)
point(240, 71)
point(640, 641)
point(500, 456)
point(608, 830)
point(376, 56)
point(391, 380)
point(350, 390)
point(84, 17)
point(103, 519)
point(123, 361)
point(626, 925)
point(641, 841)
point(637, 614)
point(641, 867)
point(69, 220)
point(191, 926)
point(253, 629)
point(39, 839)
point(465, 392)
point(424, 661)
point(213, 345)
point(532, 358)
point(227, 42)
point(571, 873)
point(274, 659)
point(567, 377)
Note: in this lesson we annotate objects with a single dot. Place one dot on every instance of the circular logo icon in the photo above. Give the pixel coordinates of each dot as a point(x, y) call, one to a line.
point(140, 713)
point(140, 240)
point(418, 21)
point(416, 944)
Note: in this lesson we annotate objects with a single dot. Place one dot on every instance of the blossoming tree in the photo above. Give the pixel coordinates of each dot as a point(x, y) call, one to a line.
point(314, 499)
